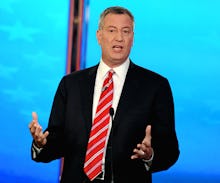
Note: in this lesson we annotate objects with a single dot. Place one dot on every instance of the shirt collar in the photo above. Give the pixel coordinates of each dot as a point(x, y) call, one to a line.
point(120, 71)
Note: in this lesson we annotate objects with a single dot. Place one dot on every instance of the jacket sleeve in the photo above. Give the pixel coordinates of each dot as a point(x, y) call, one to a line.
point(164, 139)
point(54, 148)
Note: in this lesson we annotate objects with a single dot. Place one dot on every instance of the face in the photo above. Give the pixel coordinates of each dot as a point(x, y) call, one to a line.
point(115, 38)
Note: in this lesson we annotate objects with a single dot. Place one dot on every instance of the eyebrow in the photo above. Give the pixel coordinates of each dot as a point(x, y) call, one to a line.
point(126, 27)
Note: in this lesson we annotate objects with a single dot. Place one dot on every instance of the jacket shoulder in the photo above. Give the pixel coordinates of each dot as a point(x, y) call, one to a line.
point(146, 74)
point(81, 73)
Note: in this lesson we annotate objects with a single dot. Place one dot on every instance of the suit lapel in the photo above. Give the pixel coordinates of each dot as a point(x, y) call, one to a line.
point(129, 91)
point(87, 84)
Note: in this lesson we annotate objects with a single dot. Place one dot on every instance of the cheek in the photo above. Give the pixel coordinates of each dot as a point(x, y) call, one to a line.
point(130, 44)
point(106, 44)
point(131, 41)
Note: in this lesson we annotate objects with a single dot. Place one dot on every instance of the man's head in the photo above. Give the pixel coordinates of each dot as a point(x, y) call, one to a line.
point(115, 35)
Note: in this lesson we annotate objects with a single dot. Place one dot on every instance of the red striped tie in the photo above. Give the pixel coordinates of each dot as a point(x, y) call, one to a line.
point(99, 131)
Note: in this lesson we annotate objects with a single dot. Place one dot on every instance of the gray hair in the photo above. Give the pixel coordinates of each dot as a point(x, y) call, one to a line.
point(114, 10)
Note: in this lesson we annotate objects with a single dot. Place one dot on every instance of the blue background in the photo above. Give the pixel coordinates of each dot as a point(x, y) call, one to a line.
point(33, 42)
point(178, 39)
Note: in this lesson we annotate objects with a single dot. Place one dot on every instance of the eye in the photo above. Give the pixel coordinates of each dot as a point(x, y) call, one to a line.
point(125, 31)
point(111, 30)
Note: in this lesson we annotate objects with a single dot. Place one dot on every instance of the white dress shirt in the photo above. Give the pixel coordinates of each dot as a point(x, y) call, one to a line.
point(118, 82)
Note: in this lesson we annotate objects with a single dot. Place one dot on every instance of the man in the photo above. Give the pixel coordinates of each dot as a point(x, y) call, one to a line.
point(138, 136)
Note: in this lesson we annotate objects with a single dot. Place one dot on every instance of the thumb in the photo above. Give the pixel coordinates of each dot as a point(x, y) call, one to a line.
point(147, 139)
point(34, 116)
point(148, 131)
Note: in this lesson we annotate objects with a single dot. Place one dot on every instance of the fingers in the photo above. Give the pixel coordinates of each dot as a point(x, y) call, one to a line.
point(41, 138)
point(144, 150)
point(36, 131)
point(138, 152)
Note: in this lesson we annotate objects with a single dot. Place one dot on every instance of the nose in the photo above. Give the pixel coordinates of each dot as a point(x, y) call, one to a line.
point(119, 36)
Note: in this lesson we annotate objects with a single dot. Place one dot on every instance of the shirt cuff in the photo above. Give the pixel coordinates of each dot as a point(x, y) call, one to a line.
point(148, 162)
point(35, 150)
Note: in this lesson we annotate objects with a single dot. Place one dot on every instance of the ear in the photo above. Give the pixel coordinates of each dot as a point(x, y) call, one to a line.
point(99, 36)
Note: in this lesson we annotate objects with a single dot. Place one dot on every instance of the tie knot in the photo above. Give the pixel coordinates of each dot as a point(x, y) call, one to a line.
point(110, 73)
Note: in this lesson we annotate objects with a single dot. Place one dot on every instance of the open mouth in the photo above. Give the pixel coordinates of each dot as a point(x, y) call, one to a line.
point(117, 48)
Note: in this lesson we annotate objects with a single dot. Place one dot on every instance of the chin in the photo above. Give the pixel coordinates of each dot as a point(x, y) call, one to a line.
point(118, 61)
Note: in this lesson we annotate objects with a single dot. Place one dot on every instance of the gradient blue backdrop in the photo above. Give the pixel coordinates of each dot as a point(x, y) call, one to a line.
point(33, 41)
point(178, 39)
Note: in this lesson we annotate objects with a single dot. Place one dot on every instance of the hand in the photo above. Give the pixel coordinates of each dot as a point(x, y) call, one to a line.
point(144, 150)
point(40, 138)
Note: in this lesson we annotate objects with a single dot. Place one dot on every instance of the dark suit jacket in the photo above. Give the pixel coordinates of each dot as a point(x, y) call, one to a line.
point(146, 99)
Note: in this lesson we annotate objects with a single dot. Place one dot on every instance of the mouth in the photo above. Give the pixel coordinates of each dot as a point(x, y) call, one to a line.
point(117, 48)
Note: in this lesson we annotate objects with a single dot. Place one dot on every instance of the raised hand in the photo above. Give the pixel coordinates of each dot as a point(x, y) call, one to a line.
point(144, 150)
point(40, 138)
